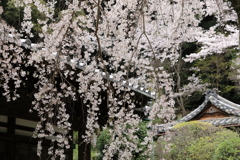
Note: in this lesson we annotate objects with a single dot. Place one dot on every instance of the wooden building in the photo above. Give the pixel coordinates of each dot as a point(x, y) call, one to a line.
point(215, 110)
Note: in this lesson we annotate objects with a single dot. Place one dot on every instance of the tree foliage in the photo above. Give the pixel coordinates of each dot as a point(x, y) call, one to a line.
point(215, 71)
point(12, 14)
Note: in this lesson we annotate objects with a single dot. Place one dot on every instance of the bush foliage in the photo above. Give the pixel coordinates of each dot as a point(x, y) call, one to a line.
point(229, 149)
point(104, 140)
point(197, 141)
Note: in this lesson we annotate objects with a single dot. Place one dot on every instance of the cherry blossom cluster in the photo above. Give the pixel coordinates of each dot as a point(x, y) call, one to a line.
point(11, 62)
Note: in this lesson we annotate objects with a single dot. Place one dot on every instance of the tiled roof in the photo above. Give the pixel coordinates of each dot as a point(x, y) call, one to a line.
point(26, 43)
point(221, 103)
point(226, 121)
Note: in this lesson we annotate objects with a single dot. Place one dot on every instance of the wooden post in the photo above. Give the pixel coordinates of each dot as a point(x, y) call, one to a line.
point(70, 151)
point(84, 149)
point(11, 144)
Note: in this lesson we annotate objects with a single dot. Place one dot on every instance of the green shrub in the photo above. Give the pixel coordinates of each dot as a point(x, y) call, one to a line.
point(174, 144)
point(104, 140)
point(186, 134)
point(197, 141)
point(204, 147)
point(228, 150)
point(196, 125)
point(141, 133)
point(194, 129)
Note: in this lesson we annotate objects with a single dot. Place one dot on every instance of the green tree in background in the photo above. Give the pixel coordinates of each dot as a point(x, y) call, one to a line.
point(215, 71)
point(12, 15)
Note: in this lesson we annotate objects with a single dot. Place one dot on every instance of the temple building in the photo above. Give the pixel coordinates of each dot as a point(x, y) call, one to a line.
point(215, 110)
